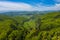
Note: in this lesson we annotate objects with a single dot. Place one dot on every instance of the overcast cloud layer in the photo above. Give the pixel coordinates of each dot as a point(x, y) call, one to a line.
point(21, 6)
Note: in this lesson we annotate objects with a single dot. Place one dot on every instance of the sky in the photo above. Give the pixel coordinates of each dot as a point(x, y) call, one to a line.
point(29, 5)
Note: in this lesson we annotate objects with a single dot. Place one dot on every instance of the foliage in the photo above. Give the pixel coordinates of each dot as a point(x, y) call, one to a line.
point(33, 27)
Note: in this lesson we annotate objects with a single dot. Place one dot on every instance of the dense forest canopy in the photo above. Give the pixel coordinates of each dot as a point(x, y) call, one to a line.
point(32, 27)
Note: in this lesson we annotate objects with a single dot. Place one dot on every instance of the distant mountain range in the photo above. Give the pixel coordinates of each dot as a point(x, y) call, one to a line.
point(14, 13)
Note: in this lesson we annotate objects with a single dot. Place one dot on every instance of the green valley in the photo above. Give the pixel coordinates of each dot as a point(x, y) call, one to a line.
point(30, 27)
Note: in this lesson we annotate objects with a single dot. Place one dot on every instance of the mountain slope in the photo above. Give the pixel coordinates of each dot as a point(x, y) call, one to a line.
point(35, 27)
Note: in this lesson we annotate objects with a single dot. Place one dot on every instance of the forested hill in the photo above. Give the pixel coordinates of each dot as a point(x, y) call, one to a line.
point(35, 27)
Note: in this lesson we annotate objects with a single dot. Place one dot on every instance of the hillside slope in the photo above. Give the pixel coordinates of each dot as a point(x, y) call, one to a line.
point(36, 27)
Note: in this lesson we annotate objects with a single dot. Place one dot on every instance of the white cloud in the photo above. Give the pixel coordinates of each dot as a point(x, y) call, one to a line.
point(14, 6)
point(54, 7)
point(7, 6)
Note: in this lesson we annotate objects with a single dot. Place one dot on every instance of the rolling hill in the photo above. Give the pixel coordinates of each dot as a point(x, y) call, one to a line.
point(35, 27)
